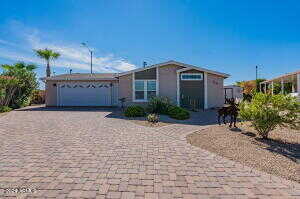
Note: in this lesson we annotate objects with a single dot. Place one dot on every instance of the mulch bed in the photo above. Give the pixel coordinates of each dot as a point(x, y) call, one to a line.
point(279, 155)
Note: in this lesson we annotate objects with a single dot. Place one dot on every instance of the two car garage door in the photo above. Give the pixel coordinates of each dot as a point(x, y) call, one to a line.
point(87, 94)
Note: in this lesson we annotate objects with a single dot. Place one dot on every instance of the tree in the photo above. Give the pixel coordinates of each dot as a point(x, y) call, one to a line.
point(266, 112)
point(27, 82)
point(250, 86)
point(8, 87)
point(47, 54)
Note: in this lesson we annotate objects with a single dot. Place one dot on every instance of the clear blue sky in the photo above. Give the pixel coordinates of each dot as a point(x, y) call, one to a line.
point(227, 36)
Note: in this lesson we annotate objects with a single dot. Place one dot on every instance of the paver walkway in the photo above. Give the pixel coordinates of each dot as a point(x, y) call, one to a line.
point(89, 154)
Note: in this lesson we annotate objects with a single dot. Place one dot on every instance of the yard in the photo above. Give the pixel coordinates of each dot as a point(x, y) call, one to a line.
point(90, 153)
point(279, 155)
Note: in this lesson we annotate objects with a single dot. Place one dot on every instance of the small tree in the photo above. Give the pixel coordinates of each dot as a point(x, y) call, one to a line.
point(27, 82)
point(266, 112)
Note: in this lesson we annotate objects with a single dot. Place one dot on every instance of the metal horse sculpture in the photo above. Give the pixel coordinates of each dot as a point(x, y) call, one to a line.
point(232, 110)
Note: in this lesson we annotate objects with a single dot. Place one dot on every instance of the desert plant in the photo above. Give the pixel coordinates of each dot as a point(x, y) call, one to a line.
point(5, 109)
point(134, 111)
point(158, 105)
point(266, 112)
point(178, 113)
point(47, 54)
point(153, 118)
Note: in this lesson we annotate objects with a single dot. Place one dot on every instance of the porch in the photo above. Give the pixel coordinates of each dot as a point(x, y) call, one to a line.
point(285, 84)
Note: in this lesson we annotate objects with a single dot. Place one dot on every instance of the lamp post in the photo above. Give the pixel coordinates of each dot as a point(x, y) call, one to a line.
point(91, 52)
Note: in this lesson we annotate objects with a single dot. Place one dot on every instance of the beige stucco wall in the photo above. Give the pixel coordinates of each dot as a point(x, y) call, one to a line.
point(168, 81)
point(51, 94)
point(125, 88)
point(215, 91)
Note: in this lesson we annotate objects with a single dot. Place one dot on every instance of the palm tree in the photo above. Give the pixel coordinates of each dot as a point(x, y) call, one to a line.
point(47, 54)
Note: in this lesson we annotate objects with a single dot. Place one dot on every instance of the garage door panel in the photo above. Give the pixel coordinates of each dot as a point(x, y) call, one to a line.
point(85, 94)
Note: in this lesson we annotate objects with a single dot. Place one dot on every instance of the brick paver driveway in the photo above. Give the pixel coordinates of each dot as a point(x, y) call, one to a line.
point(92, 154)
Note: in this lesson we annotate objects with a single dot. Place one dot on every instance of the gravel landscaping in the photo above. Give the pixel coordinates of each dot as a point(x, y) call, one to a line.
point(280, 155)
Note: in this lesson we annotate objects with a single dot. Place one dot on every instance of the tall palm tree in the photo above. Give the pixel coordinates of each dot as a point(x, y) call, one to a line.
point(47, 54)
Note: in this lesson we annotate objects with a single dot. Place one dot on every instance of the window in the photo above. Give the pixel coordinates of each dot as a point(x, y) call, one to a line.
point(144, 89)
point(191, 76)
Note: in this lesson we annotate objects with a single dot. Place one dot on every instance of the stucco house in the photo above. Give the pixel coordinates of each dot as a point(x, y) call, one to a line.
point(171, 79)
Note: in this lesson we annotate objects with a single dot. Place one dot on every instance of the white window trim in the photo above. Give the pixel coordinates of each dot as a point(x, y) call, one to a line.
point(145, 89)
point(191, 74)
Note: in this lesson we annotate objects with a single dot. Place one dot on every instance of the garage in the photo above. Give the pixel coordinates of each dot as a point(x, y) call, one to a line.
point(82, 90)
point(85, 94)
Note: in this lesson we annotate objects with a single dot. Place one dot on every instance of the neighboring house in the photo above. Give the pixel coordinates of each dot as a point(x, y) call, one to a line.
point(233, 91)
point(171, 79)
point(292, 79)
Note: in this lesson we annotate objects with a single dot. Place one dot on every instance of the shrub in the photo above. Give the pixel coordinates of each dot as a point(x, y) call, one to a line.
point(178, 113)
point(134, 111)
point(158, 105)
point(153, 118)
point(38, 97)
point(27, 82)
point(5, 109)
point(266, 112)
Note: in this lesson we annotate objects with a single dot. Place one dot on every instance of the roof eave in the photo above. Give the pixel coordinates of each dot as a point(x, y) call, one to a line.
point(176, 63)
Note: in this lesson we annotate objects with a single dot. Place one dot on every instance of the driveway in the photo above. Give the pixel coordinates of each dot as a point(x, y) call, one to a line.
point(88, 153)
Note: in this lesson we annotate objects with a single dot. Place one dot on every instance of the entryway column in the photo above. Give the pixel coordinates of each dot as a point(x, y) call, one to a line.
point(178, 88)
point(205, 90)
point(272, 88)
point(298, 83)
point(282, 87)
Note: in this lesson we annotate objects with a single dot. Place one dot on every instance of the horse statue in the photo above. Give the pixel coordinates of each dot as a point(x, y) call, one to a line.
point(232, 110)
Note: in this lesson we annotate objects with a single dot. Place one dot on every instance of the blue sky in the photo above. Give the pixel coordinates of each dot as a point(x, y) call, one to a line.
point(227, 36)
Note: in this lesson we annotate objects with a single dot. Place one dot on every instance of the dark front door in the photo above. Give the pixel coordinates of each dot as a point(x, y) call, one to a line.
point(192, 94)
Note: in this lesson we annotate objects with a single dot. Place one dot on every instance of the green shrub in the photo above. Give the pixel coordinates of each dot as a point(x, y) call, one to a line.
point(266, 112)
point(178, 113)
point(158, 105)
point(134, 111)
point(5, 109)
point(153, 118)
point(26, 84)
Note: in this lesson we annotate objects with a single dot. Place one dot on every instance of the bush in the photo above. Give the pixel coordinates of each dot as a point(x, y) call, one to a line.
point(158, 105)
point(134, 111)
point(38, 97)
point(178, 113)
point(266, 112)
point(5, 109)
point(153, 118)
point(27, 83)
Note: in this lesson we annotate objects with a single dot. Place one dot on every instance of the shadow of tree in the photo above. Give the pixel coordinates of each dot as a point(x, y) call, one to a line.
point(207, 117)
point(287, 149)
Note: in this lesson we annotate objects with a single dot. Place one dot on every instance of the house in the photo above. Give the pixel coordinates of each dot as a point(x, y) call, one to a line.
point(172, 79)
point(291, 80)
point(233, 91)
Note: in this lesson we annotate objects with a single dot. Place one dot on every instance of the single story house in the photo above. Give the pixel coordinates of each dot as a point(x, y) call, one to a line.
point(172, 79)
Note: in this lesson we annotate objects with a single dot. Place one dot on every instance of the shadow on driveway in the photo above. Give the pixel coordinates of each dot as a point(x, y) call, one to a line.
point(77, 108)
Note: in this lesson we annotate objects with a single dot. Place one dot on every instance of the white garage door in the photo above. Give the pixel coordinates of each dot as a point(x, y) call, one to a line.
point(85, 94)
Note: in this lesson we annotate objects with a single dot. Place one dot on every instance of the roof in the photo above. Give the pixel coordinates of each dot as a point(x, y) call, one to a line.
point(178, 64)
point(287, 76)
point(83, 76)
point(228, 86)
